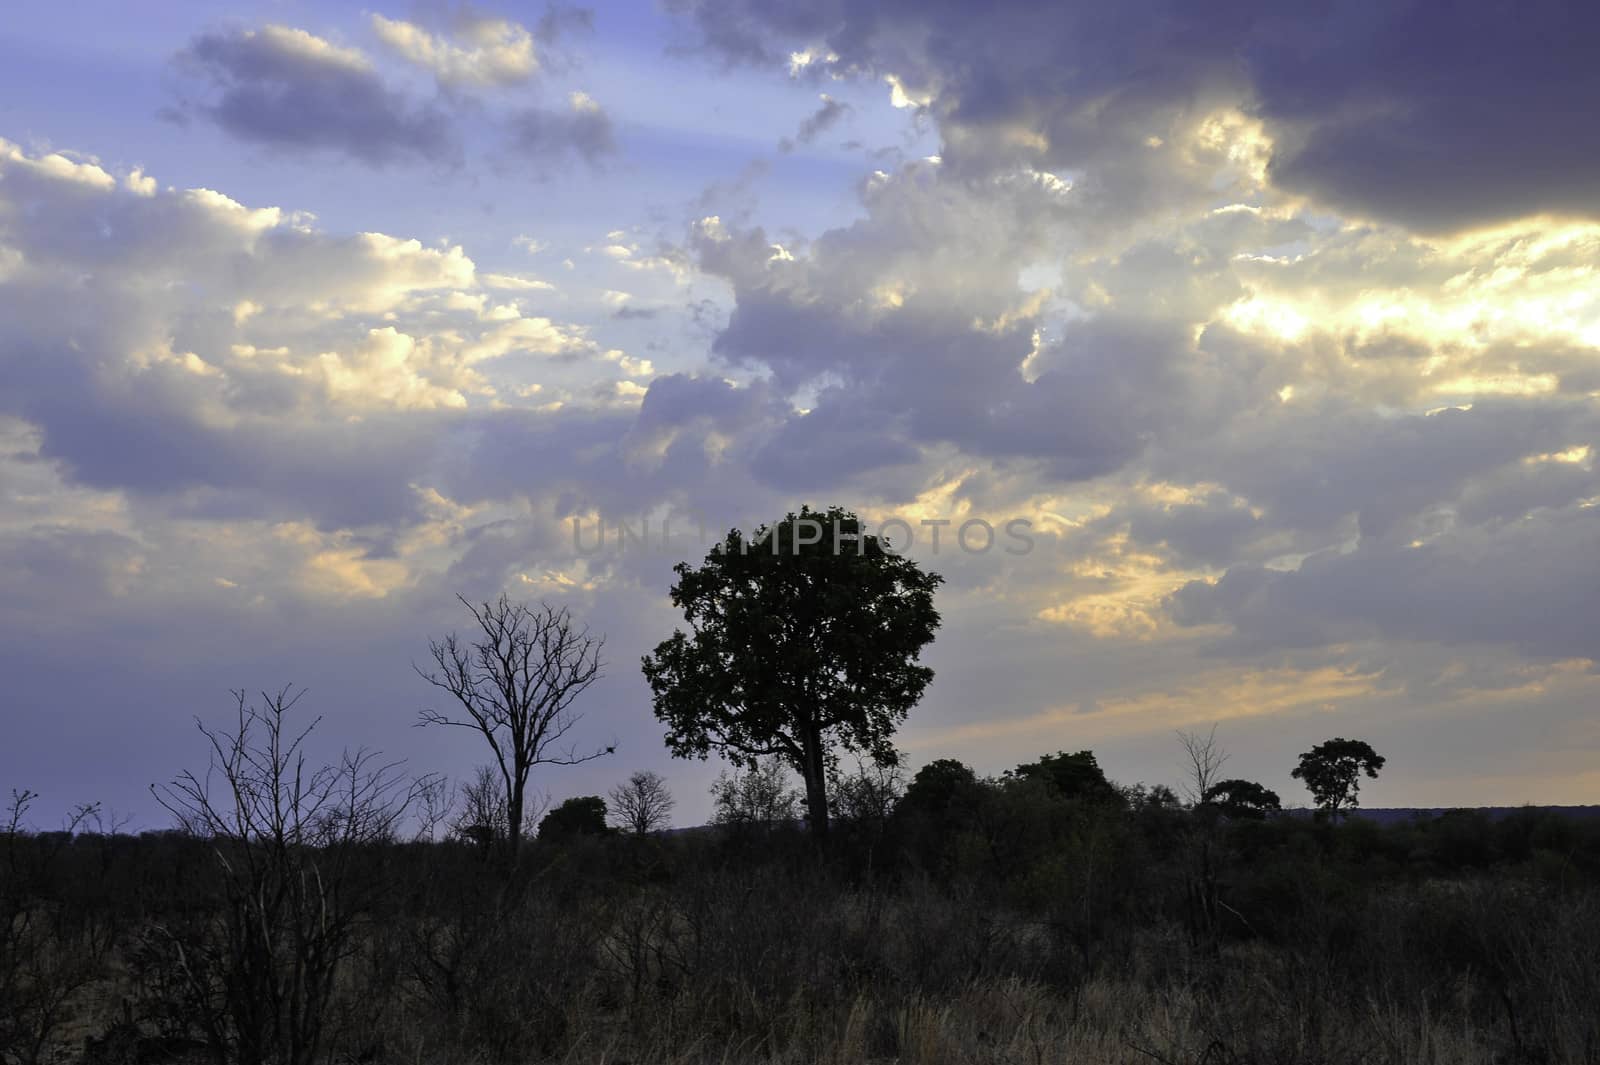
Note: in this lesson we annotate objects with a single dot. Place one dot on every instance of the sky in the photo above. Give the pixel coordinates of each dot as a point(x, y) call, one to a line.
point(1276, 326)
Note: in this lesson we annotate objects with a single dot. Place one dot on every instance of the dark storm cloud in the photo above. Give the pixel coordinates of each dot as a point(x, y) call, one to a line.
point(287, 89)
point(1437, 116)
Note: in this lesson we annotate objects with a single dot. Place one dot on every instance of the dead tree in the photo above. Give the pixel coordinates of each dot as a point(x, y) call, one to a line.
point(643, 804)
point(1202, 766)
point(514, 684)
point(289, 838)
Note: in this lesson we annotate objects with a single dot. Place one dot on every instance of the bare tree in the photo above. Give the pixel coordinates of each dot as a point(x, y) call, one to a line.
point(758, 797)
point(41, 969)
point(643, 804)
point(287, 836)
point(1202, 764)
point(1202, 767)
point(868, 796)
point(436, 800)
point(515, 686)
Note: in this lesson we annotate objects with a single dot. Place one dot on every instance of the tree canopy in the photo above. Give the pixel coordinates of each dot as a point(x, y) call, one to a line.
point(1332, 772)
point(803, 638)
point(1242, 799)
point(1072, 776)
point(582, 816)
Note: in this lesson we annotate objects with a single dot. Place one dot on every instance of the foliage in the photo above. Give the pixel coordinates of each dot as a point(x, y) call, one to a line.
point(802, 638)
point(581, 816)
point(1242, 798)
point(1071, 776)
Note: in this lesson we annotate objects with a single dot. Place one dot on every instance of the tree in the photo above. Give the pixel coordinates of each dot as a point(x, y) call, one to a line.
point(642, 804)
point(290, 839)
point(1071, 776)
point(583, 816)
point(802, 638)
point(483, 816)
point(757, 797)
point(1241, 799)
point(941, 787)
point(1332, 773)
point(869, 795)
point(515, 685)
point(41, 971)
point(1203, 760)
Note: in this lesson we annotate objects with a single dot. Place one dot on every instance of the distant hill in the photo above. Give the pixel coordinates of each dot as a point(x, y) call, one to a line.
point(1384, 815)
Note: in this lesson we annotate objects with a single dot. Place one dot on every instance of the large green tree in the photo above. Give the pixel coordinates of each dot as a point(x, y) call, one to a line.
point(1332, 772)
point(803, 638)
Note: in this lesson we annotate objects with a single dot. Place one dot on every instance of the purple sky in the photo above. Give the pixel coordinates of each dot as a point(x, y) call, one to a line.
point(1278, 323)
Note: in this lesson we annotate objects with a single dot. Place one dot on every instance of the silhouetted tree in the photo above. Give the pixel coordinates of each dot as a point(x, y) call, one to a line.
point(1071, 776)
point(803, 637)
point(1332, 773)
point(515, 685)
point(642, 804)
point(939, 786)
point(1241, 799)
point(582, 816)
point(288, 837)
point(484, 819)
point(1202, 765)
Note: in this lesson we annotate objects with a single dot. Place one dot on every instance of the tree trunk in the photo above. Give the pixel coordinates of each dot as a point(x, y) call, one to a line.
point(816, 775)
point(514, 820)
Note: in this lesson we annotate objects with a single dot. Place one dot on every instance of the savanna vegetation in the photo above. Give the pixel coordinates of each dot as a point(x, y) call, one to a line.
point(838, 909)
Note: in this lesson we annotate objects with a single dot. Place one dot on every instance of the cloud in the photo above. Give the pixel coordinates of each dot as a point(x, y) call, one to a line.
point(1374, 107)
point(288, 89)
point(232, 365)
point(491, 52)
point(546, 135)
point(830, 114)
point(1526, 584)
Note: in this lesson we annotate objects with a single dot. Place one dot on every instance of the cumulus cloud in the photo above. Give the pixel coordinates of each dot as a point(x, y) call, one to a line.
point(289, 89)
point(479, 52)
point(231, 363)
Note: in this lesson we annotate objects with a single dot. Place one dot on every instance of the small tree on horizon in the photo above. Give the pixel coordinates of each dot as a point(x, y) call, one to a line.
point(1332, 773)
point(642, 804)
